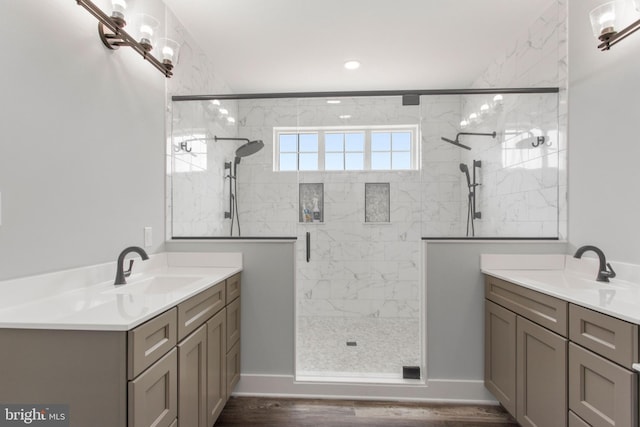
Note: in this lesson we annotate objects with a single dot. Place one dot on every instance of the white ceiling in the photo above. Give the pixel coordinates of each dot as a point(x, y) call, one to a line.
point(261, 46)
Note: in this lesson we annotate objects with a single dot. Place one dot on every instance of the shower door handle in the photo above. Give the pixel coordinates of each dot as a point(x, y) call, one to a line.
point(308, 246)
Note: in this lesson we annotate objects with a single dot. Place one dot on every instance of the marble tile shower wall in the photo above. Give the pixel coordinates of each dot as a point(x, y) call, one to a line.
point(194, 199)
point(199, 178)
point(357, 268)
point(523, 192)
point(443, 193)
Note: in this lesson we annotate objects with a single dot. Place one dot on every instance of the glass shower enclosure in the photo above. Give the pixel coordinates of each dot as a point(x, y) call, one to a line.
point(358, 182)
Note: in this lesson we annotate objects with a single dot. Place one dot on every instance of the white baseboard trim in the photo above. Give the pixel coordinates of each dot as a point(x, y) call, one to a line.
point(439, 390)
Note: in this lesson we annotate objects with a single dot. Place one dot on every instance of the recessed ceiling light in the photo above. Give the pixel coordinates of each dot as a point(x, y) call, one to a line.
point(333, 101)
point(352, 65)
point(345, 116)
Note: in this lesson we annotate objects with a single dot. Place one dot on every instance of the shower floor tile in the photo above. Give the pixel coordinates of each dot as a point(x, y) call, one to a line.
point(356, 347)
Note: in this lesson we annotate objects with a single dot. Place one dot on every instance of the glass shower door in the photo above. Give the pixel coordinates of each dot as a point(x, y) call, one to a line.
point(358, 286)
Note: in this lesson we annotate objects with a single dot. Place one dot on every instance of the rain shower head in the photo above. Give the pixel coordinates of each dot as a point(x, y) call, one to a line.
point(247, 149)
point(456, 143)
point(251, 147)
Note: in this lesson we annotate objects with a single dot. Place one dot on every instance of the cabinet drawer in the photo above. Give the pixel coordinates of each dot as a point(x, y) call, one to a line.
point(198, 309)
point(542, 309)
point(233, 287)
point(233, 367)
point(150, 341)
point(607, 336)
point(233, 323)
point(153, 396)
point(601, 392)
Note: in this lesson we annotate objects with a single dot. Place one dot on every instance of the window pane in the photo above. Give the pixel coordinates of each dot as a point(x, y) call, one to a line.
point(380, 141)
point(288, 161)
point(354, 161)
point(309, 143)
point(381, 160)
point(333, 162)
point(333, 142)
point(354, 141)
point(401, 160)
point(288, 143)
point(308, 162)
point(401, 141)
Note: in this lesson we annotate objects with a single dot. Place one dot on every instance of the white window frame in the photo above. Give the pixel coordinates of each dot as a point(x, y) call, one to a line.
point(367, 130)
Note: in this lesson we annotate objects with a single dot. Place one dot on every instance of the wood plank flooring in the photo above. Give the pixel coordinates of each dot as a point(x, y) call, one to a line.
point(276, 412)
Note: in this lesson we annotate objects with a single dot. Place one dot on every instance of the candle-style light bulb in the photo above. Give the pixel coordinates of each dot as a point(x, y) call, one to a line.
point(118, 10)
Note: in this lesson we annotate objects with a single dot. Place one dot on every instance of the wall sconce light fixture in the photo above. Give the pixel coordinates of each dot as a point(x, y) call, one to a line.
point(607, 19)
point(142, 39)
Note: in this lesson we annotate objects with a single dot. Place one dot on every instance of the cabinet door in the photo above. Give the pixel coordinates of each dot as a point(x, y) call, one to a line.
point(601, 392)
point(216, 366)
point(541, 376)
point(153, 396)
point(233, 367)
point(192, 379)
point(233, 323)
point(500, 355)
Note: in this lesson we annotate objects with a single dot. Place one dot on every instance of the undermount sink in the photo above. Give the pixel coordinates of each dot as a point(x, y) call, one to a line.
point(155, 285)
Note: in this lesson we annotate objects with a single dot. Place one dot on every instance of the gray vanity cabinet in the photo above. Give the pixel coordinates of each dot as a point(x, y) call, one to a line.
point(525, 353)
point(568, 365)
point(177, 368)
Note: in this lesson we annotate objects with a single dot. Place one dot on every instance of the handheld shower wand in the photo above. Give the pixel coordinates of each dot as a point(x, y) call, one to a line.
point(465, 170)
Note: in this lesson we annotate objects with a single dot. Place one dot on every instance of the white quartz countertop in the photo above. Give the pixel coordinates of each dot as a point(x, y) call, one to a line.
point(574, 281)
point(80, 300)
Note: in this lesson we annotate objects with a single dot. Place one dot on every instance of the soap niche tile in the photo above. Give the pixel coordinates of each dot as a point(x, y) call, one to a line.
point(377, 202)
point(311, 197)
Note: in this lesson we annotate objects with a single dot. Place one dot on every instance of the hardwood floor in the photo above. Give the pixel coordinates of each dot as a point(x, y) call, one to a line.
point(275, 412)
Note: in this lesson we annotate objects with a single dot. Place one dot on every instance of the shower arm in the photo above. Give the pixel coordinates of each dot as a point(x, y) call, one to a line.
point(492, 134)
point(217, 138)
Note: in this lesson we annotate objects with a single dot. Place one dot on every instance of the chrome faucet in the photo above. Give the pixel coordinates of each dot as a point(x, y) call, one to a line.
point(121, 273)
point(604, 270)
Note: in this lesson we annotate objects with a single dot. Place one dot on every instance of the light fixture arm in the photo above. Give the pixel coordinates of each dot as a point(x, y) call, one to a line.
point(612, 39)
point(113, 36)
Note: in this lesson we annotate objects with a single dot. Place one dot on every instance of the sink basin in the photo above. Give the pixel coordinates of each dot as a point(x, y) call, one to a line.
point(154, 285)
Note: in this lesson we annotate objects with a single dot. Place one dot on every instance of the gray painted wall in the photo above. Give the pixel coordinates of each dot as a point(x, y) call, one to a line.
point(267, 301)
point(82, 163)
point(455, 309)
point(603, 140)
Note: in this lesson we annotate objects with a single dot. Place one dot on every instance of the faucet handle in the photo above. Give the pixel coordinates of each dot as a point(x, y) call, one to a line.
point(127, 273)
point(609, 272)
